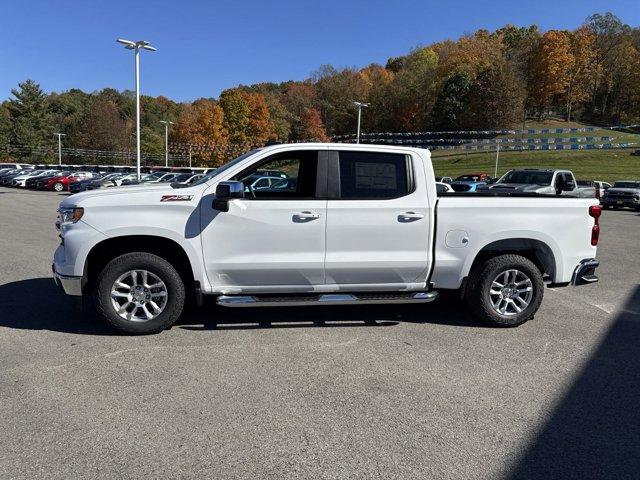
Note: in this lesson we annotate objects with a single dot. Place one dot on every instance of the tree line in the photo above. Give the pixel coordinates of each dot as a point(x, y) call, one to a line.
point(484, 80)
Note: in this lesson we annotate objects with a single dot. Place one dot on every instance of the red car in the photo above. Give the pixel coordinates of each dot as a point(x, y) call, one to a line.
point(61, 183)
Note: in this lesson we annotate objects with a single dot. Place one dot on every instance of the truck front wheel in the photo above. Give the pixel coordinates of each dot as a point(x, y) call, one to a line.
point(505, 291)
point(139, 293)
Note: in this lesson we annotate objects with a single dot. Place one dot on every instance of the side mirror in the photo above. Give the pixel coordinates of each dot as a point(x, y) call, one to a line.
point(226, 191)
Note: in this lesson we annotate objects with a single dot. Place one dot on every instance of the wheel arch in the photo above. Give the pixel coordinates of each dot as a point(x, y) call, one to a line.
point(106, 250)
point(538, 251)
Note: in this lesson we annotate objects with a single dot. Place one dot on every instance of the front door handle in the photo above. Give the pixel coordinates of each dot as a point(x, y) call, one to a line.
point(410, 217)
point(305, 216)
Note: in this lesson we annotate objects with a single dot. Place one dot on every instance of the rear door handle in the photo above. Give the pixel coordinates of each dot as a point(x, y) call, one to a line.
point(410, 216)
point(306, 215)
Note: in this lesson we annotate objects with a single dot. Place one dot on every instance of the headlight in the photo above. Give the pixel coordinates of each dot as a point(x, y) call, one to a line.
point(70, 214)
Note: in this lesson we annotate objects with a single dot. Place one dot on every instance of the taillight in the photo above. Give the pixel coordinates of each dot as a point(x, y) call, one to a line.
point(595, 211)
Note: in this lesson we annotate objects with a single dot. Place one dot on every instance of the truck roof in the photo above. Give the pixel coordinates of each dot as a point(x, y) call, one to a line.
point(343, 146)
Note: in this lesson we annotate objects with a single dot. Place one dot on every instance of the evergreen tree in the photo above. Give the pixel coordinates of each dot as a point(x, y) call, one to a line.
point(30, 120)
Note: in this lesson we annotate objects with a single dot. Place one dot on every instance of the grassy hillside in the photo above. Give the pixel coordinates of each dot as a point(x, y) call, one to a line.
point(607, 165)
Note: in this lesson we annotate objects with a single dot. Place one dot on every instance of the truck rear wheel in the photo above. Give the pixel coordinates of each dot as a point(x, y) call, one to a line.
point(505, 291)
point(139, 293)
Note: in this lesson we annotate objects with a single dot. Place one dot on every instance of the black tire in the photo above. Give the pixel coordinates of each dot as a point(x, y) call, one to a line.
point(158, 267)
point(479, 285)
point(606, 207)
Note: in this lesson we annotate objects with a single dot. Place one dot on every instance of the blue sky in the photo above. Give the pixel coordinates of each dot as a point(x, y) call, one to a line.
point(207, 46)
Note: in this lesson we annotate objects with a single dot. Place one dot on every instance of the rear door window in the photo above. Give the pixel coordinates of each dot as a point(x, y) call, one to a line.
point(372, 175)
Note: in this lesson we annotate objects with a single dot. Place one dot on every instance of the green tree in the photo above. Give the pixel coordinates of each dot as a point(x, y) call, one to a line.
point(30, 121)
point(451, 102)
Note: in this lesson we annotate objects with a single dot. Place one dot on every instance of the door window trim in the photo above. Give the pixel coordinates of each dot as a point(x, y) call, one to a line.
point(321, 175)
point(333, 172)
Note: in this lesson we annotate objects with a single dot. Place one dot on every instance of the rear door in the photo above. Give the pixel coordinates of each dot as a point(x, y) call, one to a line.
point(377, 221)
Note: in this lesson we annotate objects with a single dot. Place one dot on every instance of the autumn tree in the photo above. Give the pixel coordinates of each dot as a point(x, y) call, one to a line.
point(336, 90)
point(580, 67)
point(496, 98)
point(104, 128)
point(609, 34)
point(311, 127)
point(246, 116)
point(412, 91)
point(549, 76)
point(378, 84)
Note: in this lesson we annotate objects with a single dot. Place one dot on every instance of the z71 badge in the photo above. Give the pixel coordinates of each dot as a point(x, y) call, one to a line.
point(176, 198)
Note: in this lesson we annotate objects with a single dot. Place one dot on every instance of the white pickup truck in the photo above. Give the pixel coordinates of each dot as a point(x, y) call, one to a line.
point(335, 224)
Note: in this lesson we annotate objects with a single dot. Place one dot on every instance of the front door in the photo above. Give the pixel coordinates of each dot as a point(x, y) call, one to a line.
point(377, 222)
point(275, 236)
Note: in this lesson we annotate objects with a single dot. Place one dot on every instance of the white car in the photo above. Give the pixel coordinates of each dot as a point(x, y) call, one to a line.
point(442, 187)
point(355, 224)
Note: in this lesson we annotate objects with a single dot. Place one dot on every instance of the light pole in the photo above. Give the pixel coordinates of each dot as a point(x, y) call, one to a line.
point(60, 135)
point(136, 46)
point(360, 106)
point(495, 172)
point(166, 141)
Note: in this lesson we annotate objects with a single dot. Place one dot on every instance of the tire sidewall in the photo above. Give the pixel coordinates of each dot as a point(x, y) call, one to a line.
point(480, 301)
point(153, 264)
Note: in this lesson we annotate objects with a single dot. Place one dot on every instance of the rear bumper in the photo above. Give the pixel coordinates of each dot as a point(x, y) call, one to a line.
point(70, 285)
point(585, 272)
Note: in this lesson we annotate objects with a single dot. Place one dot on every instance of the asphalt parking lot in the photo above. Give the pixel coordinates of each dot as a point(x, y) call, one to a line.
point(334, 392)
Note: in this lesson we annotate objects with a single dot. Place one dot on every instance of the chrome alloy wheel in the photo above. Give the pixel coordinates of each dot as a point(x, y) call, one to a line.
point(511, 292)
point(139, 296)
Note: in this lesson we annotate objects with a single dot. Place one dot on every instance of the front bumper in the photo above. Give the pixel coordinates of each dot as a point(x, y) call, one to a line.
point(70, 285)
point(584, 273)
point(628, 202)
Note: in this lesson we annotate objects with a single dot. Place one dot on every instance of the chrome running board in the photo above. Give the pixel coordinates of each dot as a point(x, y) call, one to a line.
point(325, 299)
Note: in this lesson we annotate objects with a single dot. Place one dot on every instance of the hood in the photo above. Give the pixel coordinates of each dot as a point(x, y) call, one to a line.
point(117, 192)
point(516, 187)
point(622, 190)
point(466, 182)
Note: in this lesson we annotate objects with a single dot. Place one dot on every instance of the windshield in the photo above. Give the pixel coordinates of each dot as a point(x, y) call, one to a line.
point(468, 178)
point(225, 167)
point(528, 177)
point(183, 177)
point(626, 185)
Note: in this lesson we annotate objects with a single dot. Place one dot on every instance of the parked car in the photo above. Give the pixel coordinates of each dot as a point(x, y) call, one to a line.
point(187, 178)
point(442, 187)
point(7, 176)
point(106, 181)
point(21, 180)
point(469, 182)
point(32, 182)
point(623, 194)
point(446, 180)
point(61, 182)
point(540, 181)
point(376, 233)
point(128, 178)
point(81, 184)
point(593, 186)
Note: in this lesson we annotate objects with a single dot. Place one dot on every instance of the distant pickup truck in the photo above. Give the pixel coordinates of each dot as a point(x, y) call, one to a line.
point(540, 181)
point(623, 194)
point(353, 224)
